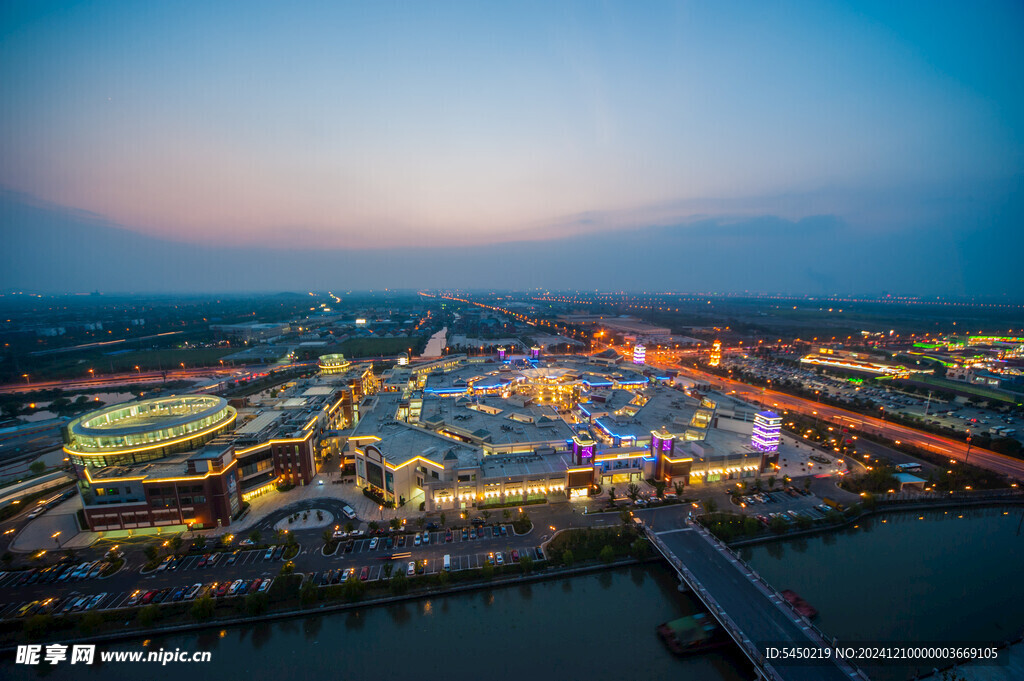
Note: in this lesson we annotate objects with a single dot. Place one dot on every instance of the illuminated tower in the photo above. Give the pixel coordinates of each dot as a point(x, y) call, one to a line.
point(639, 354)
point(716, 353)
point(535, 352)
point(767, 430)
point(403, 359)
point(501, 353)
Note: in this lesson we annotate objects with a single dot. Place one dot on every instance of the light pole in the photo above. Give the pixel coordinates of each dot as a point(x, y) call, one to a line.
point(56, 538)
point(25, 376)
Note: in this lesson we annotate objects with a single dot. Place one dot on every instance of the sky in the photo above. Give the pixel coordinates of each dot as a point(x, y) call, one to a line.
point(814, 147)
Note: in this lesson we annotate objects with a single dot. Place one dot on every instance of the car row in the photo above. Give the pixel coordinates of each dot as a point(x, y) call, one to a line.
point(238, 587)
point(75, 602)
point(62, 572)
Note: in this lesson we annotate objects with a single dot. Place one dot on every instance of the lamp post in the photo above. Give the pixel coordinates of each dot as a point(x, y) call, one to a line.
point(56, 538)
point(25, 376)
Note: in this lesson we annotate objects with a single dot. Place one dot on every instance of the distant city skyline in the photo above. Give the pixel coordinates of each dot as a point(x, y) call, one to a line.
point(798, 147)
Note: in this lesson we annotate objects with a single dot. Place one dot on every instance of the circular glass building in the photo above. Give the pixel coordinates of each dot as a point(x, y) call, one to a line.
point(134, 432)
point(333, 364)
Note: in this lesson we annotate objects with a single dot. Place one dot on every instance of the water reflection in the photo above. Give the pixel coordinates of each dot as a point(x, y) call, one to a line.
point(605, 580)
point(312, 627)
point(355, 620)
point(399, 614)
point(261, 634)
point(526, 592)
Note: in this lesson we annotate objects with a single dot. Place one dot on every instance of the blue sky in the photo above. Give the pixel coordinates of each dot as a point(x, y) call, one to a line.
point(352, 129)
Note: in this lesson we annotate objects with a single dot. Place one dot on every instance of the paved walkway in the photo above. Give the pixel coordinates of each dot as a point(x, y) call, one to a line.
point(38, 534)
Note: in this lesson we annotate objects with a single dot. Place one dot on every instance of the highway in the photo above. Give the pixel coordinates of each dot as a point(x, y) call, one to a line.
point(954, 449)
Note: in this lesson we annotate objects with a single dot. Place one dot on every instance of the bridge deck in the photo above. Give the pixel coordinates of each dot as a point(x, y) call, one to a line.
point(754, 612)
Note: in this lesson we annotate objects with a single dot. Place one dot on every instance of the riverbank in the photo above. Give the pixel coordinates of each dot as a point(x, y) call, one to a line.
point(932, 505)
point(126, 632)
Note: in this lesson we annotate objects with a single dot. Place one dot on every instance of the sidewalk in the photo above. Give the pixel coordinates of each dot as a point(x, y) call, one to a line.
point(38, 534)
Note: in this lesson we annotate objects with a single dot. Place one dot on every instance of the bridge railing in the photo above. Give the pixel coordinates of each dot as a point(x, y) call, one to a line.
point(752, 651)
point(770, 592)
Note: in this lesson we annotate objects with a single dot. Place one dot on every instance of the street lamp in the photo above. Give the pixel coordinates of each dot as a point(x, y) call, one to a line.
point(56, 538)
point(25, 376)
point(138, 369)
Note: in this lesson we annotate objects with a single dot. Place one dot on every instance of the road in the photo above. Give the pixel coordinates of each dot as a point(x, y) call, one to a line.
point(758, 614)
point(938, 444)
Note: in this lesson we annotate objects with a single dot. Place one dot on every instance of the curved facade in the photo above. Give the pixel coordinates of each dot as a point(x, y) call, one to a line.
point(333, 364)
point(135, 432)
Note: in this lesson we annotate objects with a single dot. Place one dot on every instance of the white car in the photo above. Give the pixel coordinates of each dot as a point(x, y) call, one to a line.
point(373, 544)
point(411, 570)
point(426, 537)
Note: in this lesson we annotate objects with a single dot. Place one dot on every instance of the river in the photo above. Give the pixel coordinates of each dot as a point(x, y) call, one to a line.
point(917, 577)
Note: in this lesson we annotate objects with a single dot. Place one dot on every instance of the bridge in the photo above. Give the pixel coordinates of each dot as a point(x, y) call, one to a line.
point(754, 614)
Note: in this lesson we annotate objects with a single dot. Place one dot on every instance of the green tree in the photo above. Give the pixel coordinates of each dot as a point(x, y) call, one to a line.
point(751, 525)
point(151, 553)
point(771, 482)
point(443, 578)
point(199, 543)
point(349, 527)
point(777, 524)
point(307, 593)
point(568, 558)
point(176, 542)
point(633, 491)
point(37, 467)
point(443, 518)
point(639, 548)
point(486, 514)
point(679, 486)
point(257, 603)
point(526, 564)
point(90, 622)
point(398, 583)
point(710, 505)
point(807, 482)
point(659, 488)
point(38, 626)
point(625, 516)
point(353, 589)
point(420, 522)
point(202, 609)
point(327, 535)
point(487, 571)
point(395, 523)
point(374, 526)
point(255, 537)
point(607, 554)
point(507, 513)
point(149, 615)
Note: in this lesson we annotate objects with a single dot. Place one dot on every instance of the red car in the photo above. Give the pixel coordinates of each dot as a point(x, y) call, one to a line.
point(222, 589)
point(364, 574)
point(515, 555)
point(149, 596)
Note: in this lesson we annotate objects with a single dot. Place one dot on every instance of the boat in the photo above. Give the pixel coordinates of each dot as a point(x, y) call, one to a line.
point(691, 634)
point(799, 604)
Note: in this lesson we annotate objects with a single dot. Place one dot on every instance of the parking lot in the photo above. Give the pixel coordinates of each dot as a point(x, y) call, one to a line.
point(365, 556)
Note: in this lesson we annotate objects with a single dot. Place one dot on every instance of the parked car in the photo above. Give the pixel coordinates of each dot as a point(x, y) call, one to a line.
point(364, 574)
point(411, 569)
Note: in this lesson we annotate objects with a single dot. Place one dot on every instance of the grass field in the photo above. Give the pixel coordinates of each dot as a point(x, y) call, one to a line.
point(354, 348)
point(77, 365)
